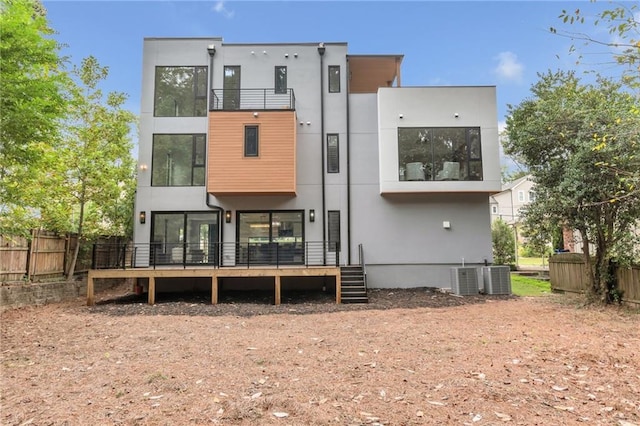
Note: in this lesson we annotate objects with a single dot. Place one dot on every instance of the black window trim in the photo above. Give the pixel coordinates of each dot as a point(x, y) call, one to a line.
point(257, 128)
point(194, 163)
point(330, 75)
point(336, 166)
point(276, 89)
point(196, 97)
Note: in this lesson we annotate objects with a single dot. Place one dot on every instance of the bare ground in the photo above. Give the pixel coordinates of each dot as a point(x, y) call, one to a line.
point(408, 357)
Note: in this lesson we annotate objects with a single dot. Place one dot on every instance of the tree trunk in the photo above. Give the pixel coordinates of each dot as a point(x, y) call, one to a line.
point(74, 260)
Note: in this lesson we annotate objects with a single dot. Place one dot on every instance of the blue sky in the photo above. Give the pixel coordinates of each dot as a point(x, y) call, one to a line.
point(501, 43)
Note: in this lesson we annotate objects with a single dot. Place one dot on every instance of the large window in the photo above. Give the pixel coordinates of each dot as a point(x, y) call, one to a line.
point(178, 160)
point(184, 237)
point(270, 236)
point(333, 157)
point(439, 153)
point(281, 80)
point(250, 141)
point(181, 92)
point(334, 78)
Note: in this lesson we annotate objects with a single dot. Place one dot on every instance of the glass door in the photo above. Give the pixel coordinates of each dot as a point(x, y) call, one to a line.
point(231, 88)
point(270, 237)
point(184, 238)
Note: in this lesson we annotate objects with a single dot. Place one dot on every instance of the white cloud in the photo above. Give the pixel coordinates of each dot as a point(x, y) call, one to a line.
point(508, 67)
point(220, 7)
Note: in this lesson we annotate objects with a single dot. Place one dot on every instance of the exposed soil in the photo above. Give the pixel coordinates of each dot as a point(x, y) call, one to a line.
point(408, 357)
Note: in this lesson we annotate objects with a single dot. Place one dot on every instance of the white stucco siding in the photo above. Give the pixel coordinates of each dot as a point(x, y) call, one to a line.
point(437, 107)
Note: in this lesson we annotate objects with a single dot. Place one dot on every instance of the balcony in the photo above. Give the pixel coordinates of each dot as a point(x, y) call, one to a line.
point(251, 100)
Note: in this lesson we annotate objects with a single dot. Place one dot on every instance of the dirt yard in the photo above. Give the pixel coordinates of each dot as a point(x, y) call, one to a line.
point(408, 357)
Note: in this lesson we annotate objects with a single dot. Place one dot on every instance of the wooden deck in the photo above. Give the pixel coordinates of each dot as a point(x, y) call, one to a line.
point(214, 274)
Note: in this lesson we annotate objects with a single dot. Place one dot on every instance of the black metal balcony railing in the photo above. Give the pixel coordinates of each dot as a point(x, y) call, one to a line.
point(251, 99)
point(215, 255)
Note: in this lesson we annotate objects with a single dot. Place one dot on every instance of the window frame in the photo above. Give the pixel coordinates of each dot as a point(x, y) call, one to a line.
point(277, 84)
point(246, 141)
point(423, 152)
point(333, 167)
point(200, 75)
point(335, 78)
point(196, 163)
point(331, 230)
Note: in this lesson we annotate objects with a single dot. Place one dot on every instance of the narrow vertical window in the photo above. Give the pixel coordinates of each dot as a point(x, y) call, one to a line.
point(521, 196)
point(334, 78)
point(281, 79)
point(251, 141)
point(334, 229)
point(333, 154)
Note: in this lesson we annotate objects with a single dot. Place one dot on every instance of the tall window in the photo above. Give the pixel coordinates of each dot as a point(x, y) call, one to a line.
point(439, 153)
point(178, 160)
point(334, 78)
point(333, 157)
point(281, 80)
point(521, 196)
point(334, 229)
point(189, 237)
point(250, 141)
point(231, 86)
point(180, 92)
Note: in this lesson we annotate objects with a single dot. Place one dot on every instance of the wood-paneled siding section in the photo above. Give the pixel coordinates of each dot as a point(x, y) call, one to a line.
point(272, 172)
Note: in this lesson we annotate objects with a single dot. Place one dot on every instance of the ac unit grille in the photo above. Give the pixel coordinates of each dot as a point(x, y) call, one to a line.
point(497, 279)
point(464, 281)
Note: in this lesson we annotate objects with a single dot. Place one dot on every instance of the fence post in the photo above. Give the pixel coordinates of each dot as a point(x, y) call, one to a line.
point(93, 256)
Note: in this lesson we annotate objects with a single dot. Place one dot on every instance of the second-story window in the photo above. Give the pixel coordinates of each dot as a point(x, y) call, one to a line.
point(178, 160)
point(250, 141)
point(280, 85)
point(333, 157)
point(334, 78)
point(180, 92)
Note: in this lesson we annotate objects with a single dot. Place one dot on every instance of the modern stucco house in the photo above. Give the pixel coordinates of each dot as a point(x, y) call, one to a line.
point(302, 153)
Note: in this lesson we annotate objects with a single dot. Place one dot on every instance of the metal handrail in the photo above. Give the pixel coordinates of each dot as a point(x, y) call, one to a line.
point(215, 255)
point(252, 99)
point(362, 263)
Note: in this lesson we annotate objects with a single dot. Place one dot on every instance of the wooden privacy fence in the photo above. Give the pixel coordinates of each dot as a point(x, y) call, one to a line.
point(568, 272)
point(47, 256)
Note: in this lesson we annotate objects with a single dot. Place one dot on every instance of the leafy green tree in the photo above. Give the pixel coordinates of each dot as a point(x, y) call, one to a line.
point(623, 45)
point(503, 243)
point(95, 175)
point(581, 144)
point(32, 102)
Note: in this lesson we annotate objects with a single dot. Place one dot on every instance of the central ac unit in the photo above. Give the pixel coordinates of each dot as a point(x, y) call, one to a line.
point(497, 279)
point(464, 281)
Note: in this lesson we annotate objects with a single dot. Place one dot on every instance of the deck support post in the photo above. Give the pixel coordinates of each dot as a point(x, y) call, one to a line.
point(278, 289)
point(152, 290)
point(338, 288)
point(90, 290)
point(214, 290)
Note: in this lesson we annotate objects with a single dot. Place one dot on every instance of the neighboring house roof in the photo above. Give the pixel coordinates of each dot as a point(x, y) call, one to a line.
point(514, 184)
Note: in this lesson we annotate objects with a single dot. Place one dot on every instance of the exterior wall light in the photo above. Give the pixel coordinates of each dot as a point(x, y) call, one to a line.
point(227, 216)
point(143, 217)
point(143, 167)
point(255, 114)
point(312, 215)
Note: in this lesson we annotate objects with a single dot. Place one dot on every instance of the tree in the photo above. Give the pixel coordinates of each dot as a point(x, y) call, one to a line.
point(581, 144)
point(95, 176)
point(503, 243)
point(32, 102)
point(624, 46)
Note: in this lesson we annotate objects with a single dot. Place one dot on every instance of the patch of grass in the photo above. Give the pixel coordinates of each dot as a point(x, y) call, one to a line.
point(532, 261)
point(527, 286)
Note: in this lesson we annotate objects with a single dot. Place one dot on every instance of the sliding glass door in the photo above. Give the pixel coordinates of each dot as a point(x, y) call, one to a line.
point(184, 237)
point(271, 237)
